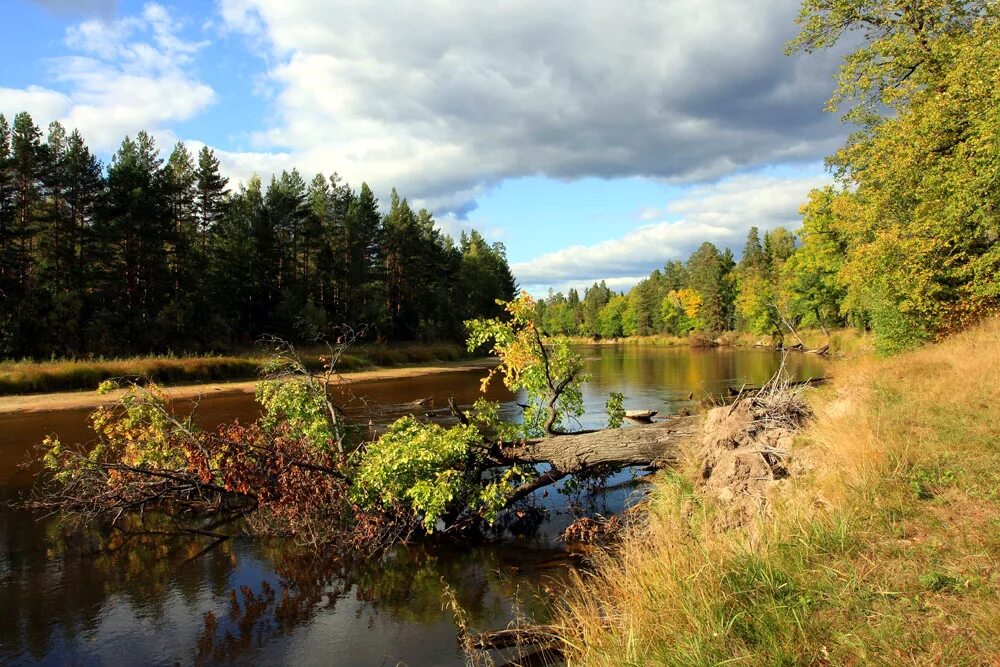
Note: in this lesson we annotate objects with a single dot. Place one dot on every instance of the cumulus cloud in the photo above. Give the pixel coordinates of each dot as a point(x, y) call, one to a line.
point(126, 75)
point(444, 99)
point(40, 102)
point(721, 213)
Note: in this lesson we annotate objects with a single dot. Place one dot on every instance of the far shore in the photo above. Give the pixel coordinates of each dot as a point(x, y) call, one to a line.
point(69, 400)
point(842, 341)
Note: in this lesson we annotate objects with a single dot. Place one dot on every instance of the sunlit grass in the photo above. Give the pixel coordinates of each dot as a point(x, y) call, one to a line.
point(884, 549)
point(25, 377)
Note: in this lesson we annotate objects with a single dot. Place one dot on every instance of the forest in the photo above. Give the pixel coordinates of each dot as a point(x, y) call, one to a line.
point(150, 255)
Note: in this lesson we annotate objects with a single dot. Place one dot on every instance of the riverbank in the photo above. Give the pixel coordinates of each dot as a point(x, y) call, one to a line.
point(32, 377)
point(842, 342)
point(879, 548)
point(86, 399)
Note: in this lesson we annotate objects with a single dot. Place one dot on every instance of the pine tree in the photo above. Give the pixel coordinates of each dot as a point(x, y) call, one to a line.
point(26, 169)
point(753, 253)
point(708, 272)
point(318, 229)
point(484, 276)
point(185, 307)
point(8, 268)
point(237, 266)
point(211, 195)
point(136, 226)
point(365, 301)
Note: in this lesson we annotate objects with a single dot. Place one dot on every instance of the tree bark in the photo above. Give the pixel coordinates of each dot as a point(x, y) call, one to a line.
point(656, 444)
point(640, 445)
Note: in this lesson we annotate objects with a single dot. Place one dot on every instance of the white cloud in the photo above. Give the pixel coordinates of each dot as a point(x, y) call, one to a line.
point(131, 76)
point(649, 213)
point(721, 213)
point(444, 99)
point(39, 102)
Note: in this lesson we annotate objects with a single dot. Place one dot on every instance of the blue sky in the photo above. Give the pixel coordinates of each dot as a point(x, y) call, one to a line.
point(595, 140)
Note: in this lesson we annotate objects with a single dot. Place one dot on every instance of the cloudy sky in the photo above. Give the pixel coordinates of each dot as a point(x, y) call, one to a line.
point(595, 139)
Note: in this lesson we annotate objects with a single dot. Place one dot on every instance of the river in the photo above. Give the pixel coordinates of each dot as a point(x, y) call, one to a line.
point(88, 599)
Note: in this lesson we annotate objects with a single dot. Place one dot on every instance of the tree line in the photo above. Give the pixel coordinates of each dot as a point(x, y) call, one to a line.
point(709, 293)
point(150, 255)
point(906, 243)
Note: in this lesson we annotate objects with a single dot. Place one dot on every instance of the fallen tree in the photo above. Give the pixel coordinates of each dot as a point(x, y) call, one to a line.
point(301, 470)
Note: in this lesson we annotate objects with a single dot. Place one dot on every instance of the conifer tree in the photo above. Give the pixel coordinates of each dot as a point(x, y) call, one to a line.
point(211, 195)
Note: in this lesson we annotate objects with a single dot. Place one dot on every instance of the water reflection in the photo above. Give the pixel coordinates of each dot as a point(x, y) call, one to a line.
point(155, 603)
point(93, 598)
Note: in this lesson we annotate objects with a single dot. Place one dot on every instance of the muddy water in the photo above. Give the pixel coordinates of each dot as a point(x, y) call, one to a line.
point(87, 599)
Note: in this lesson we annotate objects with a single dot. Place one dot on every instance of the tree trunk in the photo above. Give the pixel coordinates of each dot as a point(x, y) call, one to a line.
point(640, 445)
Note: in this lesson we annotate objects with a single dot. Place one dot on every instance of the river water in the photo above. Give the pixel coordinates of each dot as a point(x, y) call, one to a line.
point(88, 599)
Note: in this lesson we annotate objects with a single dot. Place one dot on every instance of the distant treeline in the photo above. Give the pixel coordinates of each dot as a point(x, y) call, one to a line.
point(771, 290)
point(148, 256)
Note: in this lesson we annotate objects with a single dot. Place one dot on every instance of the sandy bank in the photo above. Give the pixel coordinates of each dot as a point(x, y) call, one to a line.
point(87, 399)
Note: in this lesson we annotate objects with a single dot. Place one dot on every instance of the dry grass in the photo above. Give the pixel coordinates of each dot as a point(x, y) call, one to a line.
point(26, 377)
point(885, 548)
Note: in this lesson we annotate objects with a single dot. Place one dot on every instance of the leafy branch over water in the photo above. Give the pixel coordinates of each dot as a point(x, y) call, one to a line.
point(301, 470)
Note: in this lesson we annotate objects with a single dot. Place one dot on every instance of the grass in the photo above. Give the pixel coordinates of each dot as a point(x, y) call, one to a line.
point(844, 342)
point(884, 549)
point(27, 377)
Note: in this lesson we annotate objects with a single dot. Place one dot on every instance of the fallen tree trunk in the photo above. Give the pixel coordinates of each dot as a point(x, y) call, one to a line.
point(640, 445)
point(656, 444)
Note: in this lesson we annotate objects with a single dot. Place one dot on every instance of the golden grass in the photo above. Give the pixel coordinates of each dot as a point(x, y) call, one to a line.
point(25, 377)
point(884, 550)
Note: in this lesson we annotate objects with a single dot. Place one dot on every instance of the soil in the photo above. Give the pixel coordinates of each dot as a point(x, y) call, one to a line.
point(744, 452)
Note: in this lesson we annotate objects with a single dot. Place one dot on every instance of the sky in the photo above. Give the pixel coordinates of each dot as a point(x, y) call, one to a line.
point(596, 140)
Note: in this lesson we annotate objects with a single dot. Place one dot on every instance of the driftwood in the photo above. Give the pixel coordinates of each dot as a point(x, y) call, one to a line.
point(641, 415)
point(543, 640)
point(420, 402)
point(822, 350)
point(533, 635)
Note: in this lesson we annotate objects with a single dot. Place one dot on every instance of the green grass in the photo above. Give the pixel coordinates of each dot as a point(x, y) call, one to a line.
point(886, 552)
point(28, 377)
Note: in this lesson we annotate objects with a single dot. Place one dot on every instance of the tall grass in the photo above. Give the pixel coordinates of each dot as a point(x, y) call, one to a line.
point(884, 548)
point(25, 377)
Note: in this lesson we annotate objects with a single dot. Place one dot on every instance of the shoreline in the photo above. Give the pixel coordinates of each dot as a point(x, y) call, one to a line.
point(70, 400)
point(842, 341)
